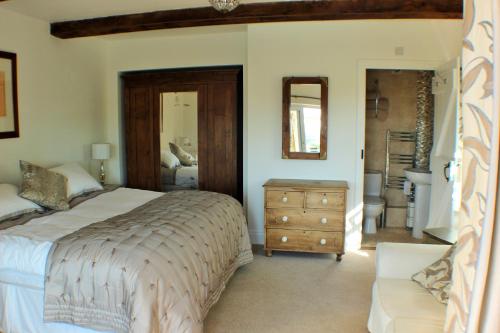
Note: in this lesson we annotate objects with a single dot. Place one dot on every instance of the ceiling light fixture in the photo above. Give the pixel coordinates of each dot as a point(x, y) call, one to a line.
point(224, 6)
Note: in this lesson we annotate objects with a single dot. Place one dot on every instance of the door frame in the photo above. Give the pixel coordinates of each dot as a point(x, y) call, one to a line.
point(363, 65)
point(192, 76)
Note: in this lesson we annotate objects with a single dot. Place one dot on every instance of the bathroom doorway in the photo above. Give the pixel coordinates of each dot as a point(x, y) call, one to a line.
point(390, 122)
point(443, 155)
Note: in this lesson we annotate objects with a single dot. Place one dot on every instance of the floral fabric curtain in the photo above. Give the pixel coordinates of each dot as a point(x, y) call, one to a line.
point(469, 305)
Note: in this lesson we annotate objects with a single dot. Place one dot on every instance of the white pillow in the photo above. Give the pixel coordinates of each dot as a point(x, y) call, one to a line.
point(79, 180)
point(169, 159)
point(12, 205)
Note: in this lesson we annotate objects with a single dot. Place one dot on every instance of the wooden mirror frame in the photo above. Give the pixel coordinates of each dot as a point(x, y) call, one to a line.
point(287, 84)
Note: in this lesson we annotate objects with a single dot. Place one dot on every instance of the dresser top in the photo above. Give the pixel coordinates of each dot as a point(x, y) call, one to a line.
point(320, 184)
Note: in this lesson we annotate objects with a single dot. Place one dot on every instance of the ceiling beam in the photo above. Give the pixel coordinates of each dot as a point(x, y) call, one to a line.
point(260, 13)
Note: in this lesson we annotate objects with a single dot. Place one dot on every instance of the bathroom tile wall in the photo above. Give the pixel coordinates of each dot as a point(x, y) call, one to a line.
point(399, 88)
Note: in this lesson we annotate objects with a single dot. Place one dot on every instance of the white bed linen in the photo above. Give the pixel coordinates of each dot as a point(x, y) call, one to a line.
point(21, 306)
point(25, 248)
point(23, 254)
point(187, 176)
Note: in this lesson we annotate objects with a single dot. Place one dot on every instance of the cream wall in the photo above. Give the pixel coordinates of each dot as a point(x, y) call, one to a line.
point(269, 52)
point(65, 84)
point(332, 49)
point(60, 95)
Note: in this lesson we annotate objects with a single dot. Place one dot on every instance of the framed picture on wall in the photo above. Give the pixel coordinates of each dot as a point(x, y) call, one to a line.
point(9, 117)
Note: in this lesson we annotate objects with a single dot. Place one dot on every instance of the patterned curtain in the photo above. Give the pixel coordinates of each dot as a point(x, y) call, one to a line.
point(472, 267)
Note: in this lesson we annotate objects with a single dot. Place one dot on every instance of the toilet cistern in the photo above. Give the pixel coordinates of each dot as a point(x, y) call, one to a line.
point(422, 180)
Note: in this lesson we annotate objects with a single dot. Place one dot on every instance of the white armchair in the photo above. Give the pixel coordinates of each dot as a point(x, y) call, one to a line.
point(398, 303)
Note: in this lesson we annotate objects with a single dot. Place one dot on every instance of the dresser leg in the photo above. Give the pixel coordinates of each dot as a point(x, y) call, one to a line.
point(269, 253)
point(339, 257)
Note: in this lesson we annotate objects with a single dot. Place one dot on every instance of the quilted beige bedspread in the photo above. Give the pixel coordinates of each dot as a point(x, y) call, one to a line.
point(158, 268)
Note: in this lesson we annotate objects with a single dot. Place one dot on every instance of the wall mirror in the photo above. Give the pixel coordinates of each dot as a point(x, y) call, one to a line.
point(305, 118)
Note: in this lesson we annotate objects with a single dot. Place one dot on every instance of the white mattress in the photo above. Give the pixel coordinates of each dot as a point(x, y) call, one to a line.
point(24, 248)
point(187, 176)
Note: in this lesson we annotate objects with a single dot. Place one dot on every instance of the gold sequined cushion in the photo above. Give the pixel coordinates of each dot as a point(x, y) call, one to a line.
point(436, 278)
point(44, 187)
point(186, 158)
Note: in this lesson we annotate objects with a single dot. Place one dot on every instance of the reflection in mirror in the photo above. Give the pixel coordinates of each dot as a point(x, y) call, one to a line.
point(305, 118)
point(179, 140)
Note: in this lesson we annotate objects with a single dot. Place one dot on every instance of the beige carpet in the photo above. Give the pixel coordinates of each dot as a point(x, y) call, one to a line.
point(297, 293)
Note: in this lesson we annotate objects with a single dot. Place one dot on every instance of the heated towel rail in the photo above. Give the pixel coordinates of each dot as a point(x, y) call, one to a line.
point(392, 137)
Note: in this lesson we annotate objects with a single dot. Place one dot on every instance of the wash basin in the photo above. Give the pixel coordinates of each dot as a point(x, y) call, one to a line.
point(419, 176)
point(422, 180)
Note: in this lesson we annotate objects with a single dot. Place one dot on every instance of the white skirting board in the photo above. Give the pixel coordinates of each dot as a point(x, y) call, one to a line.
point(256, 237)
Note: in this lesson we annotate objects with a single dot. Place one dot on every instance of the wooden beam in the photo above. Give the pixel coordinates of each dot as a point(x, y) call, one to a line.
point(260, 13)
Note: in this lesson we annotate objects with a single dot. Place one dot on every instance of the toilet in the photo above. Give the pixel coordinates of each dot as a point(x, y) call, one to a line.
point(373, 204)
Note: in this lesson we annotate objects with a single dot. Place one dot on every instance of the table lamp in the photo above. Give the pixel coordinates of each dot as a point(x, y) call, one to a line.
point(101, 152)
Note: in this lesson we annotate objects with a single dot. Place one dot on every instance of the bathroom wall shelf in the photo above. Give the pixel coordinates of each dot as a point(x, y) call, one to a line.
point(391, 159)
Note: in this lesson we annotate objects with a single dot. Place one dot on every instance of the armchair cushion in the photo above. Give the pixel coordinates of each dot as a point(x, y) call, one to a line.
point(436, 278)
point(402, 260)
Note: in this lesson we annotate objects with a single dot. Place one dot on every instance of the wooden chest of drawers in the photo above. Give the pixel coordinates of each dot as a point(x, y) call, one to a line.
point(305, 216)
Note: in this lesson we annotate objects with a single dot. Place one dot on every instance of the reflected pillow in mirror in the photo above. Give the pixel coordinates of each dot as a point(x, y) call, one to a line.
point(169, 160)
point(186, 158)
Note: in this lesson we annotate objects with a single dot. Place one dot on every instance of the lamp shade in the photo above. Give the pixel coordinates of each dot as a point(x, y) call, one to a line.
point(101, 151)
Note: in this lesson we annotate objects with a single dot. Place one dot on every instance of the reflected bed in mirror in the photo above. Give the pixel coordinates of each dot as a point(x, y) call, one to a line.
point(305, 117)
point(179, 140)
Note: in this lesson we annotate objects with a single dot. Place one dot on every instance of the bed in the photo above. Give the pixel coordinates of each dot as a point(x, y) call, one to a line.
point(183, 177)
point(124, 261)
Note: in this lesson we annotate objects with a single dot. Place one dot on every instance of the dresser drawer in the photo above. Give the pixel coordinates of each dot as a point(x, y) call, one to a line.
point(310, 219)
point(325, 200)
point(303, 240)
point(280, 199)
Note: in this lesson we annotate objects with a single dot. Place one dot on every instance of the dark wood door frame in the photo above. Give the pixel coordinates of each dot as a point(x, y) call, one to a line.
point(189, 79)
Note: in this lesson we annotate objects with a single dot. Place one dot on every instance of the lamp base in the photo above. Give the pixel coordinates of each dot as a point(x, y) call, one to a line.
point(102, 175)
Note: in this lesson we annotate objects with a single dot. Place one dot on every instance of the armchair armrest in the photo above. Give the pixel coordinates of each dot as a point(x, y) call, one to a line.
point(401, 260)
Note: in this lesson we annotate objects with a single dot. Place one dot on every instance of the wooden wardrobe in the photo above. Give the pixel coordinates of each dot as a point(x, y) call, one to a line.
point(220, 125)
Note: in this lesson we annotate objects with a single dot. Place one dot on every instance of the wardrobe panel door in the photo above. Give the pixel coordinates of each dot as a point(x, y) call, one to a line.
point(141, 124)
point(221, 131)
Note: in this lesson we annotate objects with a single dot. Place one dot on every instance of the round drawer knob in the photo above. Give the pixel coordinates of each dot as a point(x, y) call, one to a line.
point(284, 239)
point(284, 219)
point(322, 241)
point(285, 199)
point(324, 220)
point(324, 201)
